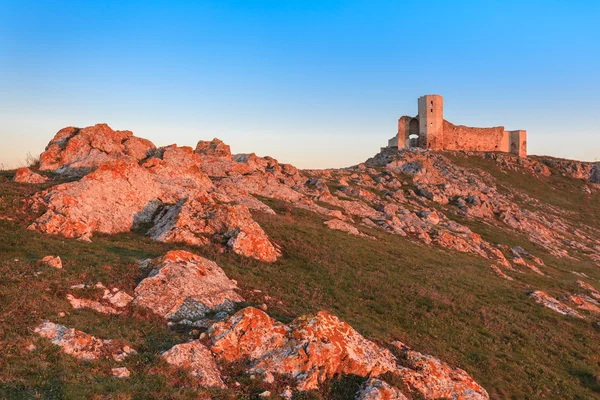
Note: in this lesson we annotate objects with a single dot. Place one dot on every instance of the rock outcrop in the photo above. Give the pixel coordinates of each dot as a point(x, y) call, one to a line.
point(82, 345)
point(547, 301)
point(182, 286)
point(116, 196)
point(434, 379)
point(76, 151)
point(200, 219)
point(198, 360)
point(376, 389)
point(310, 349)
point(25, 175)
point(314, 348)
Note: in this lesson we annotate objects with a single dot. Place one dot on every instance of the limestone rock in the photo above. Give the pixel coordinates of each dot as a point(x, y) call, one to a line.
point(434, 379)
point(214, 148)
point(116, 299)
point(79, 150)
point(547, 301)
point(586, 286)
point(52, 261)
point(82, 345)
point(376, 389)
point(120, 372)
point(311, 349)
point(584, 302)
point(78, 303)
point(200, 220)
point(183, 285)
point(339, 225)
point(198, 360)
point(114, 197)
point(25, 175)
point(595, 174)
point(500, 273)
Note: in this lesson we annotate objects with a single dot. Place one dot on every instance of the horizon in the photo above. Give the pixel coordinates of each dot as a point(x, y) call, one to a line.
point(298, 82)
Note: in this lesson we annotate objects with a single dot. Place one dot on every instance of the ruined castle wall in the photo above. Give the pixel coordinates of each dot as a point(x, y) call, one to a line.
point(460, 137)
point(406, 126)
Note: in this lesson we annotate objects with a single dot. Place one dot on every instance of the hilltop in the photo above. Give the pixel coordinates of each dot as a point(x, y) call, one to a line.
point(136, 271)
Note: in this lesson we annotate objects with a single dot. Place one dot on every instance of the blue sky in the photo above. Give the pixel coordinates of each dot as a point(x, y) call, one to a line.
point(313, 83)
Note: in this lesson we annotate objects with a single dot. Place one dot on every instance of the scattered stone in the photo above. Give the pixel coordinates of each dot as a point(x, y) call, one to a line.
point(376, 389)
point(265, 394)
point(51, 261)
point(30, 347)
point(586, 286)
point(184, 286)
point(25, 175)
point(121, 372)
point(82, 345)
point(78, 303)
point(197, 359)
point(499, 272)
point(545, 300)
point(340, 225)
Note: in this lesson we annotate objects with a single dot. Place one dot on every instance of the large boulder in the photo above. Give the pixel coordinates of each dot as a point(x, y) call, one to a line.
point(200, 219)
point(184, 286)
point(78, 150)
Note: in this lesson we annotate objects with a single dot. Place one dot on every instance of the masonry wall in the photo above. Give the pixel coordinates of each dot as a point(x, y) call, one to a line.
point(460, 137)
point(518, 142)
point(407, 126)
point(431, 122)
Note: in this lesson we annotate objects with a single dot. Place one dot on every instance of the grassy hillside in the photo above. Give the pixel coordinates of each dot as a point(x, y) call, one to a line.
point(437, 301)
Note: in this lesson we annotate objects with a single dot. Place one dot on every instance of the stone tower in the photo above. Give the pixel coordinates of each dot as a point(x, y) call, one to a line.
point(431, 122)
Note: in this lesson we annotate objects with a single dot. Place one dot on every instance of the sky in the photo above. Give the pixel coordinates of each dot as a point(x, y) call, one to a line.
point(316, 84)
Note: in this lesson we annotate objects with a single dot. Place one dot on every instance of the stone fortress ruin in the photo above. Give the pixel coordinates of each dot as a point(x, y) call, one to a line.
point(429, 130)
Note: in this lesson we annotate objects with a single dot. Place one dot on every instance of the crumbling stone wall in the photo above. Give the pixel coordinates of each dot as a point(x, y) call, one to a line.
point(460, 137)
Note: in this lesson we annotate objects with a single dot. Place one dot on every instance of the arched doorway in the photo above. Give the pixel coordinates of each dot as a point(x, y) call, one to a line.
point(413, 133)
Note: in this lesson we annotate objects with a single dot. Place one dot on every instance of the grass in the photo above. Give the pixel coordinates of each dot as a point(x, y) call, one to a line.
point(439, 302)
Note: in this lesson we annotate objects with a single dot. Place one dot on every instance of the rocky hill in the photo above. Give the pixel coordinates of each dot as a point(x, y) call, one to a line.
point(136, 271)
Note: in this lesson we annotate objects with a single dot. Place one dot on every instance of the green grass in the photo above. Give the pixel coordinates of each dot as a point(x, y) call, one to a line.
point(439, 302)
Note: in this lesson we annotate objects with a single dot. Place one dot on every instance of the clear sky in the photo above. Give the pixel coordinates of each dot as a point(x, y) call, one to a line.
point(312, 83)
